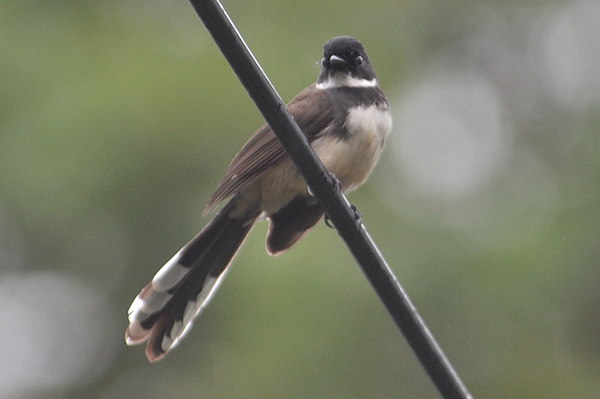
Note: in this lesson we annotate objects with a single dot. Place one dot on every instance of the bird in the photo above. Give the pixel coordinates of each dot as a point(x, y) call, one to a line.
point(346, 118)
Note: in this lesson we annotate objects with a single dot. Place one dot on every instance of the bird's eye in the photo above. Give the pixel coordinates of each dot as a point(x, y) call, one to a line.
point(358, 60)
point(324, 62)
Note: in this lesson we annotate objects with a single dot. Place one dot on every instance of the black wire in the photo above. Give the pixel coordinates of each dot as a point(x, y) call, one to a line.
point(336, 206)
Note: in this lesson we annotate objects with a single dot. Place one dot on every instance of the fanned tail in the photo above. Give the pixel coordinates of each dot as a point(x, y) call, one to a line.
point(163, 311)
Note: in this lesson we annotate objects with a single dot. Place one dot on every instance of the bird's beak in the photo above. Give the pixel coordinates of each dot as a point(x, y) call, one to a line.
point(336, 61)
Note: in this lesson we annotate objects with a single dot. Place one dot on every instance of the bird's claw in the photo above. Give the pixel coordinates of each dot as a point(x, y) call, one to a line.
point(328, 221)
point(332, 179)
point(357, 216)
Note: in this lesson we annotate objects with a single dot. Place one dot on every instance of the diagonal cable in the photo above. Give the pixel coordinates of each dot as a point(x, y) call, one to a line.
point(336, 206)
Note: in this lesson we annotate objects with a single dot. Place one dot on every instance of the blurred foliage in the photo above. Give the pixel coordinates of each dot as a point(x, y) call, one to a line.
point(118, 118)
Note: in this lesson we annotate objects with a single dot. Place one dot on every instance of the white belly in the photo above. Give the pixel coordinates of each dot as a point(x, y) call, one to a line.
point(352, 158)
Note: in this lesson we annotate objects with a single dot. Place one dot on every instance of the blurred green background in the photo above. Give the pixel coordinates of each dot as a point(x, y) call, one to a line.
point(118, 119)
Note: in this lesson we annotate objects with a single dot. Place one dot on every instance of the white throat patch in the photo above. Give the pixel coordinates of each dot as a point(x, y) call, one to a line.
point(345, 80)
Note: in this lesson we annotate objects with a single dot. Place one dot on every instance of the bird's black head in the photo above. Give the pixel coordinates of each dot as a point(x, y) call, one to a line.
point(345, 63)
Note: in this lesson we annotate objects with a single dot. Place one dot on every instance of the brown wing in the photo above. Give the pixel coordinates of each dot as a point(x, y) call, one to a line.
point(312, 111)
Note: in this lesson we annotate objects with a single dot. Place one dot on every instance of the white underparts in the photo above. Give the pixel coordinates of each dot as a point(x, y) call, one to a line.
point(352, 157)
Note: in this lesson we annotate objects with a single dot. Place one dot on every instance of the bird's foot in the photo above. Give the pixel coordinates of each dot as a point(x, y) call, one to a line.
point(357, 216)
point(332, 180)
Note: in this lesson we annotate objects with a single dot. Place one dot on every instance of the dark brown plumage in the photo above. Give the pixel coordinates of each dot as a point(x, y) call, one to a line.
point(345, 117)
